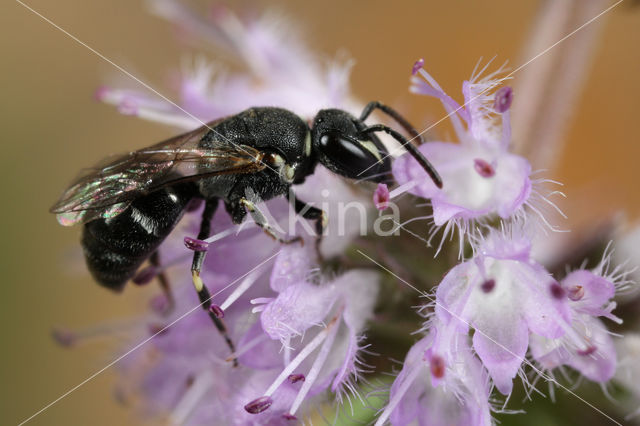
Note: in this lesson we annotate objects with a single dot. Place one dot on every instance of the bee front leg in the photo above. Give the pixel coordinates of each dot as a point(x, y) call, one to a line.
point(310, 212)
point(263, 223)
point(196, 266)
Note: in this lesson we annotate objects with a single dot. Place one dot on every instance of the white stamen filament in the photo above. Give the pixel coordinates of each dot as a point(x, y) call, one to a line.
point(253, 342)
point(152, 111)
point(304, 353)
point(402, 189)
point(610, 306)
point(233, 230)
point(241, 289)
point(191, 398)
point(170, 118)
point(287, 350)
point(261, 302)
point(311, 377)
point(106, 329)
point(506, 129)
point(573, 336)
point(452, 113)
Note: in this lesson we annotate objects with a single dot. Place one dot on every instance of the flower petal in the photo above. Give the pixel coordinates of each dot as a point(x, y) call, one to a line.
point(292, 266)
point(468, 192)
point(501, 349)
point(297, 308)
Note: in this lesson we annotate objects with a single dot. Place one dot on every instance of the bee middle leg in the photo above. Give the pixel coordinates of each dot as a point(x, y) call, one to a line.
point(263, 223)
point(196, 266)
point(309, 212)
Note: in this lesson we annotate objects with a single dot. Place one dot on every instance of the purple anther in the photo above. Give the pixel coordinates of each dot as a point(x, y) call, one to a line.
point(503, 98)
point(483, 168)
point(259, 405)
point(158, 329)
point(295, 378)
point(437, 366)
point(586, 352)
point(417, 65)
point(381, 197)
point(557, 291)
point(195, 244)
point(159, 304)
point(217, 311)
point(64, 337)
point(576, 293)
point(488, 285)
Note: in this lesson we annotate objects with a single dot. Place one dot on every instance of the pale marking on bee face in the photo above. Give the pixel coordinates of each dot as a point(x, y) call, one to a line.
point(288, 172)
point(277, 160)
point(307, 145)
point(371, 147)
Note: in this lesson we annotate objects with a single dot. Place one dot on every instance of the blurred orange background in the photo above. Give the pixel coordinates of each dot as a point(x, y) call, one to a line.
point(52, 127)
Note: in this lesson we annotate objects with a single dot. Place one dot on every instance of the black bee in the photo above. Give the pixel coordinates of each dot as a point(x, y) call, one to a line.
point(131, 203)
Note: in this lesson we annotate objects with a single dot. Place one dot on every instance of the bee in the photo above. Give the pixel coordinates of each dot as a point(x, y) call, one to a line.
point(129, 204)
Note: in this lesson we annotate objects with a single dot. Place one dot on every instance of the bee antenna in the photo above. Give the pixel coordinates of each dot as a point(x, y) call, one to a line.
point(415, 153)
point(415, 135)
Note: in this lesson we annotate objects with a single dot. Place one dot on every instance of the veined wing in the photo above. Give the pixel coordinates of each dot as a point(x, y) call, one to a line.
point(109, 188)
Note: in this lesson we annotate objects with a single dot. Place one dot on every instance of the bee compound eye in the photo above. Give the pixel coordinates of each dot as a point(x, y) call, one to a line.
point(345, 155)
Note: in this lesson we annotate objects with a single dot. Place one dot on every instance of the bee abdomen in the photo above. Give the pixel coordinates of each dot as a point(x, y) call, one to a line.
point(115, 248)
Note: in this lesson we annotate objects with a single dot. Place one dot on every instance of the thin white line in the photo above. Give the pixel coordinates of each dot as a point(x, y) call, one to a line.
point(142, 343)
point(503, 78)
point(565, 37)
point(401, 226)
point(477, 330)
point(77, 40)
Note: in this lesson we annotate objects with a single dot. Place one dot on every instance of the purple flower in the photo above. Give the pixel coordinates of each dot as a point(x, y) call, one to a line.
point(504, 295)
point(588, 346)
point(482, 178)
point(281, 71)
point(441, 383)
point(298, 333)
point(184, 372)
point(307, 318)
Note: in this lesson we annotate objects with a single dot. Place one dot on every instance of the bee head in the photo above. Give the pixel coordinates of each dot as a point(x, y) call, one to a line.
point(339, 144)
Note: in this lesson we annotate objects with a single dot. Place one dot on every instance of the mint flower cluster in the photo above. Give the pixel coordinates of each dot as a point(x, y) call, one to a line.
point(491, 309)
point(299, 317)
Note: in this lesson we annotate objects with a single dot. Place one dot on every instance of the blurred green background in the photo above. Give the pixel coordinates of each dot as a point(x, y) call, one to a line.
point(52, 127)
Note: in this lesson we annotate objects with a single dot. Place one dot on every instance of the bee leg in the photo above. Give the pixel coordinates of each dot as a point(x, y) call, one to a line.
point(263, 223)
point(315, 214)
point(196, 266)
point(164, 283)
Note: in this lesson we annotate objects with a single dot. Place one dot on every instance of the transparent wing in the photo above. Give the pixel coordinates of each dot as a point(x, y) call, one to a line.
point(107, 189)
